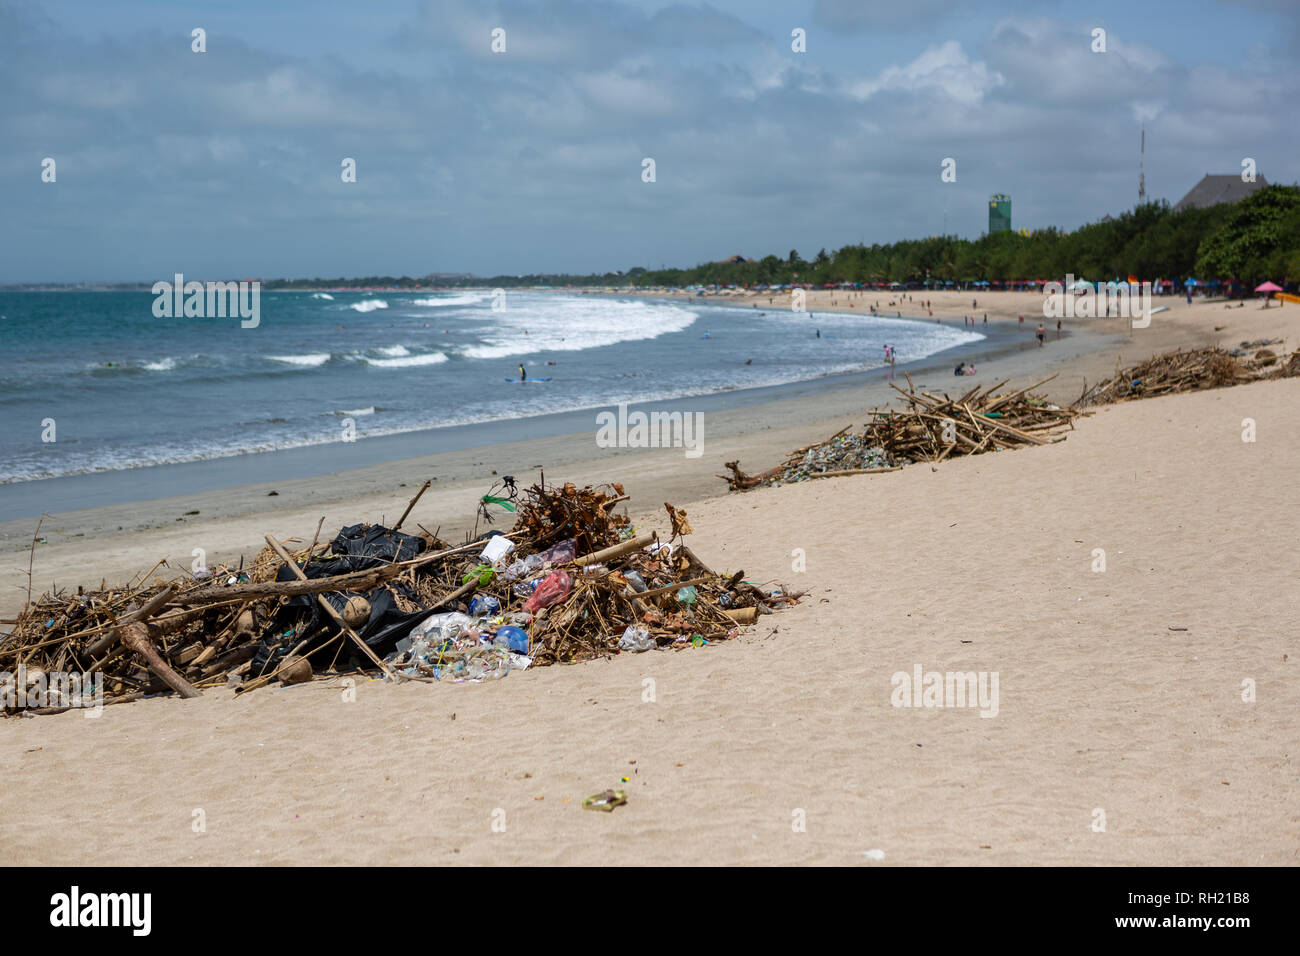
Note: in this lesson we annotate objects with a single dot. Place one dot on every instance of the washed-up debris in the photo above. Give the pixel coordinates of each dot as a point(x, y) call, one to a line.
point(1191, 371)
point(575, 582)
point(1165, 374)
point(931, 428)
point(934, 427)
point(605, 801)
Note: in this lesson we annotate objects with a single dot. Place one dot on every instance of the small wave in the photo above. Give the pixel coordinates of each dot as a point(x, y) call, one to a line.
point(393, 351)
point(310, 360)
point(469, 298)
point(322, 295)
point(369, 305)
point(166, 365)
point(356, 412)
point(408, 361)
point(567, 324)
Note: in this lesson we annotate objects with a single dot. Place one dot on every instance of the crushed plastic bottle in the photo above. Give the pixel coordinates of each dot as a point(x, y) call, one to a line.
point(524, 588)
point(561, 553)
point(441, 628)
point(636, 639)
point(687, 595)
point(634, 579)
point(484, 604)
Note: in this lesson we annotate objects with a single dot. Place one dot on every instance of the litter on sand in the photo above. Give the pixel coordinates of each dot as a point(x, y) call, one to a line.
point(606, 801)
point(571, 581)
point(934, 427)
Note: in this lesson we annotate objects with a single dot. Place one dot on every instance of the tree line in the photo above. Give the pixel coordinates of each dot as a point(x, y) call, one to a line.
point(1250, 241)
point(1255, 239)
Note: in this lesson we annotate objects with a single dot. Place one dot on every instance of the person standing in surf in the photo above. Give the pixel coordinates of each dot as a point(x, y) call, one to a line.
point(523, 373)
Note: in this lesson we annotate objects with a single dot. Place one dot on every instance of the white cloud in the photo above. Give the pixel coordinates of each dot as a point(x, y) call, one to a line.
point(944, 69)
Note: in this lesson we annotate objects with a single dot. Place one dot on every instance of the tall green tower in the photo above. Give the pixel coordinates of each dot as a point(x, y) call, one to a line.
point(999, 213)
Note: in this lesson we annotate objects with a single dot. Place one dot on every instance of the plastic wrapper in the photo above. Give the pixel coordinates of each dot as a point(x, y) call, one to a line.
point(553, 589)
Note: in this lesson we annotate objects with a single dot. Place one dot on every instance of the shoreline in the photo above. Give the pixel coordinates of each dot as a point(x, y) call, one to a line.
point(62, 493)
point(123, 538)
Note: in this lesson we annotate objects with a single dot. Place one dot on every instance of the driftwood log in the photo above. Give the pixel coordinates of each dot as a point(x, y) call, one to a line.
point(136, 636)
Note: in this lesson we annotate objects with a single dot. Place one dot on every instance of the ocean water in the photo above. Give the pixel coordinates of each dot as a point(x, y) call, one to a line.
point(124, 389)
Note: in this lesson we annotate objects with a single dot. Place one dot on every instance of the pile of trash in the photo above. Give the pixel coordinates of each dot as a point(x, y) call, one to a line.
point(572, 580)
point(935, 427)
point(1192, 371)
point(930, 429)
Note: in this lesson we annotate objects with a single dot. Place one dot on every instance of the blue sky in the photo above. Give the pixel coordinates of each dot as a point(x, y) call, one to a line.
point(227, 163)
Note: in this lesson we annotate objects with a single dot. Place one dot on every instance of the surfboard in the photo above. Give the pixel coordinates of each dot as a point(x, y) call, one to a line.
point(527, 380)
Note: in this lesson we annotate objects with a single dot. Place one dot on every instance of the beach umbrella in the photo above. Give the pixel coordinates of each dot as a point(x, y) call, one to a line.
point(1268, 287)
point(1192, 282)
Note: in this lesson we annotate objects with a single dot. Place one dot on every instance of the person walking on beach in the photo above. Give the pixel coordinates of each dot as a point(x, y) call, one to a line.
point(1042, 335)
point(523, 373)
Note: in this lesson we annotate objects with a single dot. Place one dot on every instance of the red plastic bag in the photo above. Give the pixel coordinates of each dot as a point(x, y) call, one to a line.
point(554, 588)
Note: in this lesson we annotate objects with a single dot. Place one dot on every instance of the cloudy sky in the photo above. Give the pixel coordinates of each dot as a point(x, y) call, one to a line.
point(227, 162)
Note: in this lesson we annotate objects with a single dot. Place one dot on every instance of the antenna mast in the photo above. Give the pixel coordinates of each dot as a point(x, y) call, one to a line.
point(1142, 175)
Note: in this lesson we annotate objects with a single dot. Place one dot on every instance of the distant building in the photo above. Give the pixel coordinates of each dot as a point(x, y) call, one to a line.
point(999, 213)
point(1212, 190)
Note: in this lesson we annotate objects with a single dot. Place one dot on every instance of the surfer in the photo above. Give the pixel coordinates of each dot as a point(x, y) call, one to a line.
point(523, 373)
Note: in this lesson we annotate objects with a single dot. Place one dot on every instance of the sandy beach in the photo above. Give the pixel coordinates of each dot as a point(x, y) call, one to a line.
point(1121, 735)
